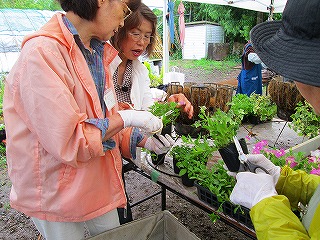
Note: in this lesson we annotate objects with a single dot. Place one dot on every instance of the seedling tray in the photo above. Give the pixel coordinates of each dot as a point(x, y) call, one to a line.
point(228, 208)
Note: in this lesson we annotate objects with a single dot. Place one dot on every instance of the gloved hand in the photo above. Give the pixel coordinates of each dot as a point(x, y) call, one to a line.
point(251, 188)
point(261, 160)
point(158, 147)
point(144, 120)
point(232, 174)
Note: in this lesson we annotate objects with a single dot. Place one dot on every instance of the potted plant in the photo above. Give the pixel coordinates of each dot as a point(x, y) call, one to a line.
point(254, 108)
point(198, 95)
point(177, 153)
point(222, 127)
point(304, 121)
point(168, 111)
point(242, 106)
point(263, 107)
point(214, 187)
point(191, 157)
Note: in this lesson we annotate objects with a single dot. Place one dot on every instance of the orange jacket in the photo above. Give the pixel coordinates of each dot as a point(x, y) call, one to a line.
point(56, 162)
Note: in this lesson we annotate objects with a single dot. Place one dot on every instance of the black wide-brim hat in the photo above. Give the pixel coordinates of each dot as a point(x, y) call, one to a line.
point(291, 47)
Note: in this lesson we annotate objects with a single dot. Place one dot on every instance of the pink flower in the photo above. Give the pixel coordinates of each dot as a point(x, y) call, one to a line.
point(259, 146)
point(291, 161)
point(255, 151)
point(315, 171)
point(279, 153)
point(264, 143)
point(312, 159)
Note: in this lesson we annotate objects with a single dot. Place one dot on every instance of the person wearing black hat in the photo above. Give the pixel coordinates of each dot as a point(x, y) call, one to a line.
point(289, 47)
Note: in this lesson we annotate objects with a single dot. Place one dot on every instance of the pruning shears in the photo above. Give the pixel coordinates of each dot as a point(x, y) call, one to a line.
point(245, 164)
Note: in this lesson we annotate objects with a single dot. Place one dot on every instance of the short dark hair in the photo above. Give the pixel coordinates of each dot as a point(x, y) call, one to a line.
point(133, 21)
point(87, 9)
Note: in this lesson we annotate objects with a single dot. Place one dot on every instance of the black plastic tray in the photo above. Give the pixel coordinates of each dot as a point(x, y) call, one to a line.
point(228, 208)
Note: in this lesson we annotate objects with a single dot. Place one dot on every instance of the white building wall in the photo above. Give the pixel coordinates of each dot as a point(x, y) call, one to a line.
point(194, 43)
point(197, 38)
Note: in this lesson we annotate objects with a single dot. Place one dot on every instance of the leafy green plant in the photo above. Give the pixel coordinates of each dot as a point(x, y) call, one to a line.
point(221, 126)
point(168, 111)
point(220, 184)
point(241, 105)
point(304, 121)
point(256, 105)
point(192, 155)
point(217, 181)
point(263, 107)
point(154, 79)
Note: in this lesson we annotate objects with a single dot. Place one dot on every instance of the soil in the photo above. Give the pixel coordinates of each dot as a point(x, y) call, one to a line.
point(15, 225)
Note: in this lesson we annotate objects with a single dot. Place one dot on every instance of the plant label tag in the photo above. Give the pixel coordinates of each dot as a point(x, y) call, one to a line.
point(109, 99)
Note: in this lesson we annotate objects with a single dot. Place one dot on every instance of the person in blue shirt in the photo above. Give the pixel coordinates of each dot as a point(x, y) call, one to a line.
point(250, 77)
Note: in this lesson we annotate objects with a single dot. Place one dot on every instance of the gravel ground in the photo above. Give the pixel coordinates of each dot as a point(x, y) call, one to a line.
point(15, 225)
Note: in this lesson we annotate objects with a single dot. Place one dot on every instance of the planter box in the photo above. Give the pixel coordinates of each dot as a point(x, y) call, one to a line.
point(228, 208)
point(162, 225)
point(307, 146)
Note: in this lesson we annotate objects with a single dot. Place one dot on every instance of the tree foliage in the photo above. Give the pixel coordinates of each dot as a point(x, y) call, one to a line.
point(31, 4)
point(236, 22)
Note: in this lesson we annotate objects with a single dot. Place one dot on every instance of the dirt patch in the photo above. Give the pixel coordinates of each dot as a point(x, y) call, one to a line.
point(198, 75)
point(15, 225)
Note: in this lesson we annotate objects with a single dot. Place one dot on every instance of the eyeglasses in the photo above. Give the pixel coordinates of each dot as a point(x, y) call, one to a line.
point(138, 36)
point(126, 12)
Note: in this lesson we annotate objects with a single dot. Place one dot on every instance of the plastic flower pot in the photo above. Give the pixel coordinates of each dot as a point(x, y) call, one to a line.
point(230, 155)
point(186, 181)
point(175, 168)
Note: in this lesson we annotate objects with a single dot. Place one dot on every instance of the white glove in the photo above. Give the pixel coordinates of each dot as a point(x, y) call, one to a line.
point(158, 147)
point(261, 160)
point(231, 174)
point(144, 120)
point(251, 188)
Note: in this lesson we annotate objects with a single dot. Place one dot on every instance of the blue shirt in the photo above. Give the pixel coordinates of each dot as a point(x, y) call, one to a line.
point(94, 60)
point(95, 64)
